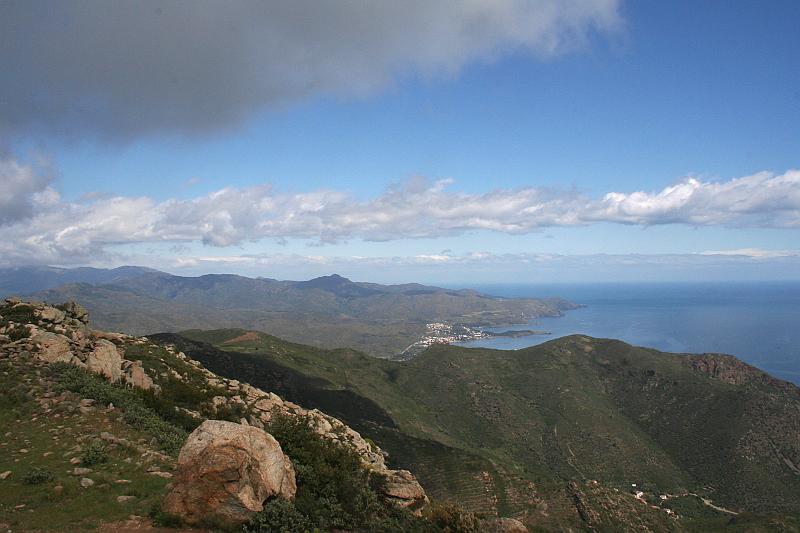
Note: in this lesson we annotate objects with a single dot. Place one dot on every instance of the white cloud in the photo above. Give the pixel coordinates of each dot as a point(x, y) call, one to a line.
point(763, 199)
point(57, 231)
point(754, 253)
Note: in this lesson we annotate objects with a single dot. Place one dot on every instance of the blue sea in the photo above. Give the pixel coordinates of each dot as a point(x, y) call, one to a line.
point(757, 322)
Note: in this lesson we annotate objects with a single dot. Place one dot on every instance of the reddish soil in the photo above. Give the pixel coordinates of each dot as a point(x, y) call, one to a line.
point(245, 337)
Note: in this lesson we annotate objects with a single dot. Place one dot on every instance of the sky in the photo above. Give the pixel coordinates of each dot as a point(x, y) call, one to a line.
point(449, 141)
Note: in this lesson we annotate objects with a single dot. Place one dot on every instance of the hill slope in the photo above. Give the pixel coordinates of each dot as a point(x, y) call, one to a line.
point(533, 429)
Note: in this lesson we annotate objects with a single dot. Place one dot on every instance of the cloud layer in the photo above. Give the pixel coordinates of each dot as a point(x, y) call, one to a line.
point(124, 69)
point(486, 267)
point(38, 226)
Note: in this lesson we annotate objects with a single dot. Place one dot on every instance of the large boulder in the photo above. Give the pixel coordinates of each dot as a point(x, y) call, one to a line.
point(401, 487)
point(133, 374)
point(226, 472)
point(52, 347)
point(105, 359)
point(50, 314)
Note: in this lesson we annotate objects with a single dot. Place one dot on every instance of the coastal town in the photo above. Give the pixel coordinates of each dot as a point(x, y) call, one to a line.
point(443, 333)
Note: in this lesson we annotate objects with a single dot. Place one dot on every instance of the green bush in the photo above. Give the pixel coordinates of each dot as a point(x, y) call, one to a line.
point(450, 518)
point(21, 314)
point(18, 333)
point(231, 412)
point(280, 516)
point(163, 519)
point(36, 476)
point(141, 409)
point(334, 491)
point(94, 454)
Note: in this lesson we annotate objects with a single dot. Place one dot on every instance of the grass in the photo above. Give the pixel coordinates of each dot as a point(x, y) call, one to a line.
point(37, 448)
point(143, 410)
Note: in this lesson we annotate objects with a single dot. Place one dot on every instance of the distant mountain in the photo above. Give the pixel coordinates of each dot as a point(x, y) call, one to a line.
point(339, 286)
point(574, 434)
point(28, 279)
point(329, 311)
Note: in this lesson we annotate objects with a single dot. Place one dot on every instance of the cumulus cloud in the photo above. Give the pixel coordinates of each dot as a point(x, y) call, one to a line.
point(58, 231)
point(131, 68)
point(762, 199)
point(20, 187)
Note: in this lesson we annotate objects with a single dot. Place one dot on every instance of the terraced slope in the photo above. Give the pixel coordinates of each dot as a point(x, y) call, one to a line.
point(528, 432)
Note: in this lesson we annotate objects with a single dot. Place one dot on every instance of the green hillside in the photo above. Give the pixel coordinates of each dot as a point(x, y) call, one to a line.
point(527, 432)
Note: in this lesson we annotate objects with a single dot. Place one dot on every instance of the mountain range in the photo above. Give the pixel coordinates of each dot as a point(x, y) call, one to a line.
point(329, 311)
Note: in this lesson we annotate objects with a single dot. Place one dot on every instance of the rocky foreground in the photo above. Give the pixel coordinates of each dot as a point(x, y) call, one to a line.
point(226, 469)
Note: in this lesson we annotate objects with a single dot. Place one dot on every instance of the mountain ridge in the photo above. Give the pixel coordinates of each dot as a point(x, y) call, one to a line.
point(328, 311)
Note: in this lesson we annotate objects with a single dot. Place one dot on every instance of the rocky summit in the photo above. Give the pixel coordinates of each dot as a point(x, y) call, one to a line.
point(114, 428)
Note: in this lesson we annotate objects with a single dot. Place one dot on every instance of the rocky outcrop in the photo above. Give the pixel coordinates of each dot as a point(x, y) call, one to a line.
point(134, 375)
point(61, 335)
point(226, 472)
point(77, 311)
point(265, 404)
point(105, 360)
point(52, 347)
point(401, 487)
point(731, 370)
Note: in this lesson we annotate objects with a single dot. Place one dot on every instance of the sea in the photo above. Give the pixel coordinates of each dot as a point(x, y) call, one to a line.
point(759, 322)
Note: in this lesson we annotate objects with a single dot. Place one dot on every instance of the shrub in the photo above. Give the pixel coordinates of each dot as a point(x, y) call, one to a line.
point(21, 314)
point(36, 476)
point(94, 454)
point(231, 412)
point(280, 516)
point(334, 491)
point(18, 333)
point(163, 519)
point(450, 518)
point(142, 409)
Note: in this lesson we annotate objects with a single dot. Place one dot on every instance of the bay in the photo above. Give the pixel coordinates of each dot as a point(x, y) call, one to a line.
point(759, 322)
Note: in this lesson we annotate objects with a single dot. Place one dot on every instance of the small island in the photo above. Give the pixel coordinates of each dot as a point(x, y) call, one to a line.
point(514, 333)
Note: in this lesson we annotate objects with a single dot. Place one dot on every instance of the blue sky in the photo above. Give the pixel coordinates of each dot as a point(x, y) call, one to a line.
point(641, 97)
